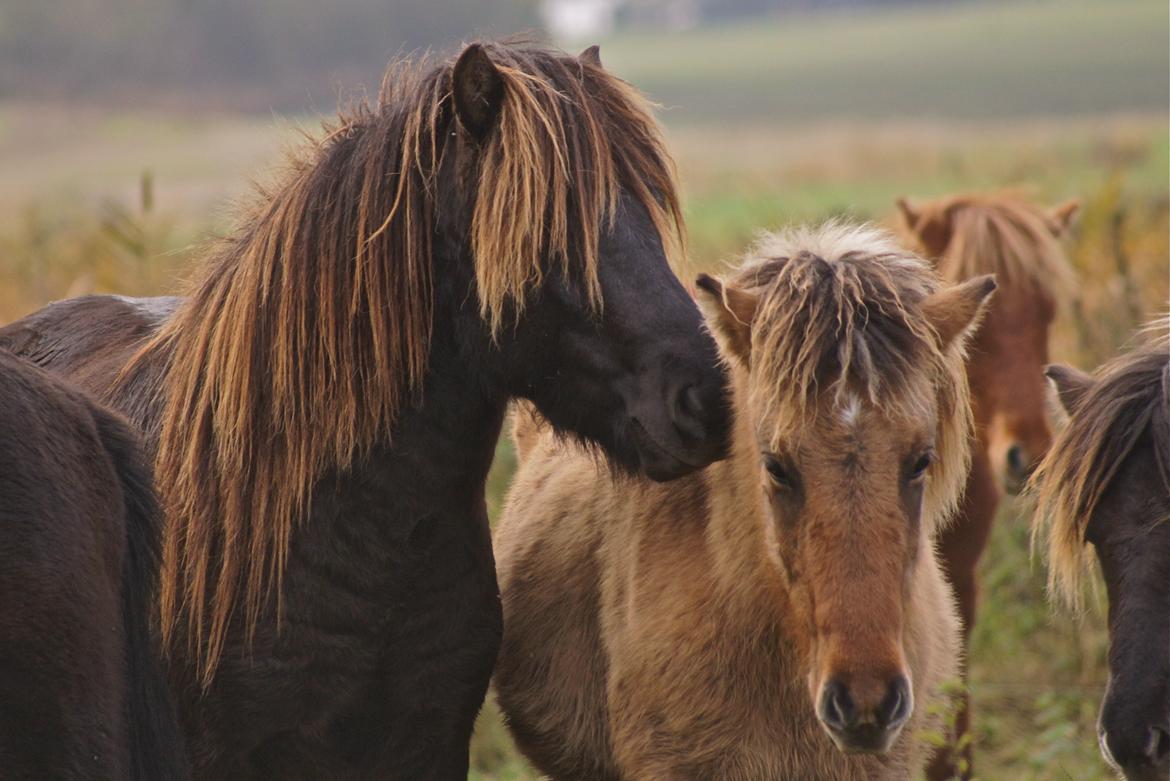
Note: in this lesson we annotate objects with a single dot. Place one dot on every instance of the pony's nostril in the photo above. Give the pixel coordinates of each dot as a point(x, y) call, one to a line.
point(896, 705)
point(1159, 748)
point(688, 412)
point(837, 710)
point(1017, 464)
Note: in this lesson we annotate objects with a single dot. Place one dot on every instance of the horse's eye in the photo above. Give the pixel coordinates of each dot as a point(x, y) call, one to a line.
point(918, 471)
point(780, 476)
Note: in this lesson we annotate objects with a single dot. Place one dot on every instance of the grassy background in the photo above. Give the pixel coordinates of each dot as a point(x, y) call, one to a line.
point(798, 119)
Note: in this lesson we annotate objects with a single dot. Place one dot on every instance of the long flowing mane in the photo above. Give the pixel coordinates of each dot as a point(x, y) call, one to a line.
point(840, 312)
point(309, 329)
point(1006, 235)
point(1130, 396)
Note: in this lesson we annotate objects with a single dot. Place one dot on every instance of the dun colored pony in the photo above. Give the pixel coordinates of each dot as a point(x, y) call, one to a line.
point(325, 405)
point(1106, 483)
point(967, 236)
point(82, 695)
point(782, 613)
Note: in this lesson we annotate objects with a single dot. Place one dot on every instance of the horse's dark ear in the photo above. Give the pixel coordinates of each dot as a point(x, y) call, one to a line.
point(955, 311)
point(479, 91)
point(1062, 216)
point(909, 213)
point(591, 56)
point(729, 312)
point(1072, 385)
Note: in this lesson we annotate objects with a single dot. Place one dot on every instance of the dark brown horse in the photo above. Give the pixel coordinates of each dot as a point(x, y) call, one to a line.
point(82, 693)
point(325, 404)
point(1018, 241)
point(1106, 483)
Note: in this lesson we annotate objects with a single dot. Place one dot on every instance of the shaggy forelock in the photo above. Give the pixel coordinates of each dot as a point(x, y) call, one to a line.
point(840, 314)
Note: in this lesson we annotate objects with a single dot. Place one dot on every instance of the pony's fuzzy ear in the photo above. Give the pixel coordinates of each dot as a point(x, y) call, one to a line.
point(1072, 385)
point(591, 56)
point(955, 311)
point(910, 214)
point(729, 312)
point(479, 91)
point(1062, 216)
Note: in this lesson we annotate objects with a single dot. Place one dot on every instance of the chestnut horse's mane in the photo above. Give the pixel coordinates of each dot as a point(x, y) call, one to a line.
point(840, 312)
point(1131, 394)
point(1006, 235)
point(309, 329)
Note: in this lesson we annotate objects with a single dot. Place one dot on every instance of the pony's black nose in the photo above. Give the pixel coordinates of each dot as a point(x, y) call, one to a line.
point(1141, 757)
point(698, 411)
point(860, 729)
point(1016, 463)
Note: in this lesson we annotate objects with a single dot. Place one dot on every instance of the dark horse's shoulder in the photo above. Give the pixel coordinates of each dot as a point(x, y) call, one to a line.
point(74, 336)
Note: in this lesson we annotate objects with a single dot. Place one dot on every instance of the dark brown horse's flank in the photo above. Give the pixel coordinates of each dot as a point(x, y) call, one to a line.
point(300, 345)
point(83, 691)
point(1128, 395)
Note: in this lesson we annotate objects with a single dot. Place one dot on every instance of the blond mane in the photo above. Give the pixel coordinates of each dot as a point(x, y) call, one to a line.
point(1006, 235)
point(309, 330)
point(840, 312)
point(1131, 394)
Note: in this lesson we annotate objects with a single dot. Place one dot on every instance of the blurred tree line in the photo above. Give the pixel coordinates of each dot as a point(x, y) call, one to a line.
point(275, 54)
point(263, 53)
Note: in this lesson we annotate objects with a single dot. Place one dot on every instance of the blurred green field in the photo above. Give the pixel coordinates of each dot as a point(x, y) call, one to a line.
point(793, 120)
point(938, 60)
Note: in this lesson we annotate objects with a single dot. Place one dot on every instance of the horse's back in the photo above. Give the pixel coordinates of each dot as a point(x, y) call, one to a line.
point(551, 678)
point(88, 339)
point(63, 648)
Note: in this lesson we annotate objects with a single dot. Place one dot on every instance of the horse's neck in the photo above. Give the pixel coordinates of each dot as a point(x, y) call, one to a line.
point(439, 453)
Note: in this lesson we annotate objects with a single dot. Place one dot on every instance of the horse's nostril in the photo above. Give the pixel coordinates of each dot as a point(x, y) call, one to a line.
point(688, 412)
point(837, 710)
point(1016, 462)
point(691, 402)
point(895, 707)
point(1159, 748)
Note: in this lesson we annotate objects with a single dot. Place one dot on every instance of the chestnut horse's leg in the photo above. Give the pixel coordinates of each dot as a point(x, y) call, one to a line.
point(960, 546)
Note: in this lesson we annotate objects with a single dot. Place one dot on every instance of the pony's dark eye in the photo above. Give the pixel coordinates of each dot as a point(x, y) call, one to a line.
point(777, 472)
point(921, 464)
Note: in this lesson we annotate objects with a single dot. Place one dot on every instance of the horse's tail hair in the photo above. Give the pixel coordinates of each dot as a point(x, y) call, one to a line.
point(527, 425)
point(156, 748)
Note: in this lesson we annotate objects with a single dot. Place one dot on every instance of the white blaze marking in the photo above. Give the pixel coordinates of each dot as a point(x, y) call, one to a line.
point(851, 410)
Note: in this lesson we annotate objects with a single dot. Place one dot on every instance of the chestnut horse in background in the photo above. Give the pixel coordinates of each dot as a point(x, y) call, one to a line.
point(1106, 483)
point(781, 614)
point(1018, 241)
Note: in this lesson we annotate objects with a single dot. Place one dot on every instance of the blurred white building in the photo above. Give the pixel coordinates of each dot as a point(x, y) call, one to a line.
point(576, 19)
point(590, 19)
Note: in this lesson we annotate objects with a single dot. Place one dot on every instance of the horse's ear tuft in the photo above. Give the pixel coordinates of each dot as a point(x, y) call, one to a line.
point(1071, 385)
point(954, 312)
point(591, 56)
point(479, 91)
point(909, 213)
point(1062, 216)
point(729, 312)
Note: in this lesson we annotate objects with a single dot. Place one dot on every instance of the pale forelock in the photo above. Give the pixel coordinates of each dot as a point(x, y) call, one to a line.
point(840, 318)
